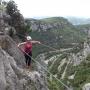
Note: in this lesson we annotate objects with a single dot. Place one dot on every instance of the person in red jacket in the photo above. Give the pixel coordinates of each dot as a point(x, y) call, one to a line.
point(27, 50)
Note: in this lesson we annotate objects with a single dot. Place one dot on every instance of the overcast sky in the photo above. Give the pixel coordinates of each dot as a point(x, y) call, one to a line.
point(41, 8)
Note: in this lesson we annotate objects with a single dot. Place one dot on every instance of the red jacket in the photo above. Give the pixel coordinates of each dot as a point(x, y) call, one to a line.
point(28, 47)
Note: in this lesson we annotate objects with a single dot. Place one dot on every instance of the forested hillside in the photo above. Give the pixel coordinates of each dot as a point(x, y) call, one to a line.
point(56, 32)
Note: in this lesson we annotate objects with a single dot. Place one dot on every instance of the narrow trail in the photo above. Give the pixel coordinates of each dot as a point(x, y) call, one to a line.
point(61, 50)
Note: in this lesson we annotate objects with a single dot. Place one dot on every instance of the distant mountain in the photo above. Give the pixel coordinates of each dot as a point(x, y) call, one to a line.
point(78, 21)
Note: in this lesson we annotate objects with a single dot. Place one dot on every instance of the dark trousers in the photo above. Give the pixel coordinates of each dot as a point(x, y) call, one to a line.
point(28, 58)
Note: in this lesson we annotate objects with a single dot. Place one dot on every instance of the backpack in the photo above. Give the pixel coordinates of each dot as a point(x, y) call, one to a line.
point(28, 47)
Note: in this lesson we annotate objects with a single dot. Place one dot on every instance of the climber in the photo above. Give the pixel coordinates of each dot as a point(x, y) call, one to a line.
point(27, 49)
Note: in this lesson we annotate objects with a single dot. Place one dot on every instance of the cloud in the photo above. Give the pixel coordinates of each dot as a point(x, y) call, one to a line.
point(37, 8)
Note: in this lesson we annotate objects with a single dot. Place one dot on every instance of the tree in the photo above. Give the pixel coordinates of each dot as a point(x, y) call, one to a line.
point(17, 20)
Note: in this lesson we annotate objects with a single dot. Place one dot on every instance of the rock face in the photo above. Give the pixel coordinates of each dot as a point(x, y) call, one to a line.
point(11, 47)
point(37, 25)
point(13, 75)
point(86, 86)
point(80, 56)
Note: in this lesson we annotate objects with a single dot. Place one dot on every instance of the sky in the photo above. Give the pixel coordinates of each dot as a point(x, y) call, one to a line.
point(52, 8)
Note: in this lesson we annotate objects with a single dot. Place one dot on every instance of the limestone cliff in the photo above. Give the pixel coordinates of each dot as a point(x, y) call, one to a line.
point(13, 75)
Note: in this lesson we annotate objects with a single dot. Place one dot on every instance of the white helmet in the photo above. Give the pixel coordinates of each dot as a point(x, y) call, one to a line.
point(28, 38)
